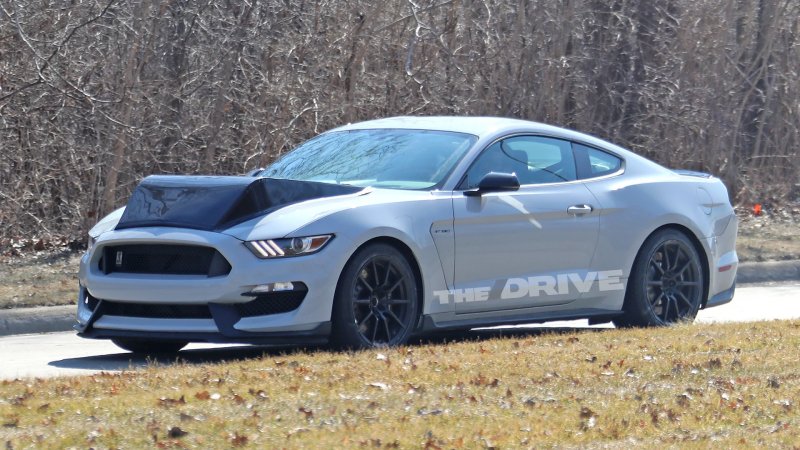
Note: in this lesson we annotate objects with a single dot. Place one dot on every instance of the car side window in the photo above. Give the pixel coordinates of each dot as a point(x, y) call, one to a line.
point(534, 159)
point(593, 163)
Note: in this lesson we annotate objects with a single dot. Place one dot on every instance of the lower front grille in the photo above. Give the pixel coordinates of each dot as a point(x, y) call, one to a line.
point(262, 305)
point(155, 311)
point(271, 303)
point(164, 259)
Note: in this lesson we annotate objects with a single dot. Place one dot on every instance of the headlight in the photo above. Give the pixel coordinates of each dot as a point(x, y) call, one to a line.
point(281, 248)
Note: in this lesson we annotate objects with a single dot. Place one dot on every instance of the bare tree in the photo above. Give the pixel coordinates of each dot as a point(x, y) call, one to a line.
point(95, 94)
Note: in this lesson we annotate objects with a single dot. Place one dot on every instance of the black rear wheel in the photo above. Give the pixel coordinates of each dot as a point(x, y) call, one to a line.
point(666, 284)
point(376, 301)
point(149, 346)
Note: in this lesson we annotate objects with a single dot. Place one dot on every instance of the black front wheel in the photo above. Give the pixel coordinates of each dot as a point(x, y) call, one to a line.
point(376, 301)
point(149, 346)
point(666, 285)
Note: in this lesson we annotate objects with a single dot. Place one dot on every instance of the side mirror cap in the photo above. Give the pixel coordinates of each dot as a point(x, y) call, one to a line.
point(495, 182)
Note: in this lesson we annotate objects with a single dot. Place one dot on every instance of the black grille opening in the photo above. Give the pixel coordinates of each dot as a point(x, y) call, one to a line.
point(90, 302)
point(155, 311)
point(164, 260)
point(271, 303)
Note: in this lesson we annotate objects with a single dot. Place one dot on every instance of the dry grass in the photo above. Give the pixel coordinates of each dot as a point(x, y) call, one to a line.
point(40, 279)
point(769, 238)
point(724, 386)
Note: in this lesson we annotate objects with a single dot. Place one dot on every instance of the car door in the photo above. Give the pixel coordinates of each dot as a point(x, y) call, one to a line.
point(525, 248)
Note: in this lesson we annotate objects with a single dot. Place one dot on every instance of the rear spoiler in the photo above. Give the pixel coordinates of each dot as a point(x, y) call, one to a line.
point(692, 173)
point(216, 203)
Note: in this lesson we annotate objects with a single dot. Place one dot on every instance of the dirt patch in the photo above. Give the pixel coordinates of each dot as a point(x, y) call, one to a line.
point(772, 236)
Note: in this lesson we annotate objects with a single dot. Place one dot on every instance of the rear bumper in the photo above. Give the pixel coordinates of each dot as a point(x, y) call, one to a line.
point(721, 298)
point(723, 261)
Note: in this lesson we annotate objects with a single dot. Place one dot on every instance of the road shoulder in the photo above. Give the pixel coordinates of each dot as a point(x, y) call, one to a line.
point(42, 319)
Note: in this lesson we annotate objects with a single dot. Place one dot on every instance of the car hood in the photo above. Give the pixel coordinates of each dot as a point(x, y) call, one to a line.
point(284, 221)
point(216, 203)
point(243, 207)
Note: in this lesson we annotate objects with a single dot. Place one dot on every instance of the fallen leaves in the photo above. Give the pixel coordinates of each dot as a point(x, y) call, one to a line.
point(260, 393)
point(188, 417)
point(20, 400)
point(170, 402)
point(588, 418)
point(176, 432)
point(786, 404)
point(11, 421)
point(429, 412)
point(296, 431)
point(515, 394)
point(481, 380)
point(238, 440)
point(307, 412)
point(773, 382)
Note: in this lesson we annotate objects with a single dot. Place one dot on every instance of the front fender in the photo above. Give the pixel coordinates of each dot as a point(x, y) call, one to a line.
point(356, 227)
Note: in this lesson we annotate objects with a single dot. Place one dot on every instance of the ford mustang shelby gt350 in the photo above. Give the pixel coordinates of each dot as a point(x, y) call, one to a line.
point(376, 231)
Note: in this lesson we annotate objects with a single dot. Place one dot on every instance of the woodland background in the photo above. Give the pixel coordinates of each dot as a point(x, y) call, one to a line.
point(96, 94)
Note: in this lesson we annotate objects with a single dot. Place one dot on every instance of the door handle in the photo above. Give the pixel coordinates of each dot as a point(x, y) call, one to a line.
point(579, 210)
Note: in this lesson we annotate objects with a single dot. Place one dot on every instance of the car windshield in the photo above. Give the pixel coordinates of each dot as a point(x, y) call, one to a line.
point(386, 158)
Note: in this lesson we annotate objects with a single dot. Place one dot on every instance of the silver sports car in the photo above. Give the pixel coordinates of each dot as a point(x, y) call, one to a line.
point(373, 232)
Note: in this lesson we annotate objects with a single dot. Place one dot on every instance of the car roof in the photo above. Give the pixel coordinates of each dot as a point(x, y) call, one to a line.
point(489, 128)
point(483, 127)
point(479, 126)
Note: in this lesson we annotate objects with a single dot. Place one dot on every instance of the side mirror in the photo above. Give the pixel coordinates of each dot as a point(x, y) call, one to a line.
point(495, 182)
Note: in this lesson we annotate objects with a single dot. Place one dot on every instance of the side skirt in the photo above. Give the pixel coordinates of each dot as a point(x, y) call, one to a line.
point(595, 316)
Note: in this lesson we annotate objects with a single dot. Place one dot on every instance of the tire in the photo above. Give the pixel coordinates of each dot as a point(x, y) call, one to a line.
point(377, 300)
point(666, 285)
point(148, 346)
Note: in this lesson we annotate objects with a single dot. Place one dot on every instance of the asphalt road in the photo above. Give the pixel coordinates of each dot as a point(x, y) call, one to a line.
point(55, 354)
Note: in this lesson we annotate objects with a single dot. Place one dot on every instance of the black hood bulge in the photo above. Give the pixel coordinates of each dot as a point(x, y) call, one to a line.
point(216, 202)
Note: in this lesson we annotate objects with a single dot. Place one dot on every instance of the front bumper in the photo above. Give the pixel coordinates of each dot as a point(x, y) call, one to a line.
point(215, 304)
point(318, 335)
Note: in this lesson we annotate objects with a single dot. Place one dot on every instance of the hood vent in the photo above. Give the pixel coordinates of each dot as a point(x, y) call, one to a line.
point(216, 203)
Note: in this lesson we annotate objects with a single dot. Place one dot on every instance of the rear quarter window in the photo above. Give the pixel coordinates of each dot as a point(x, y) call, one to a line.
point(592, 163)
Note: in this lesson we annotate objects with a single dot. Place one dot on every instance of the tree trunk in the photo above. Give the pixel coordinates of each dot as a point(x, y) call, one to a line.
point(128, 82)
